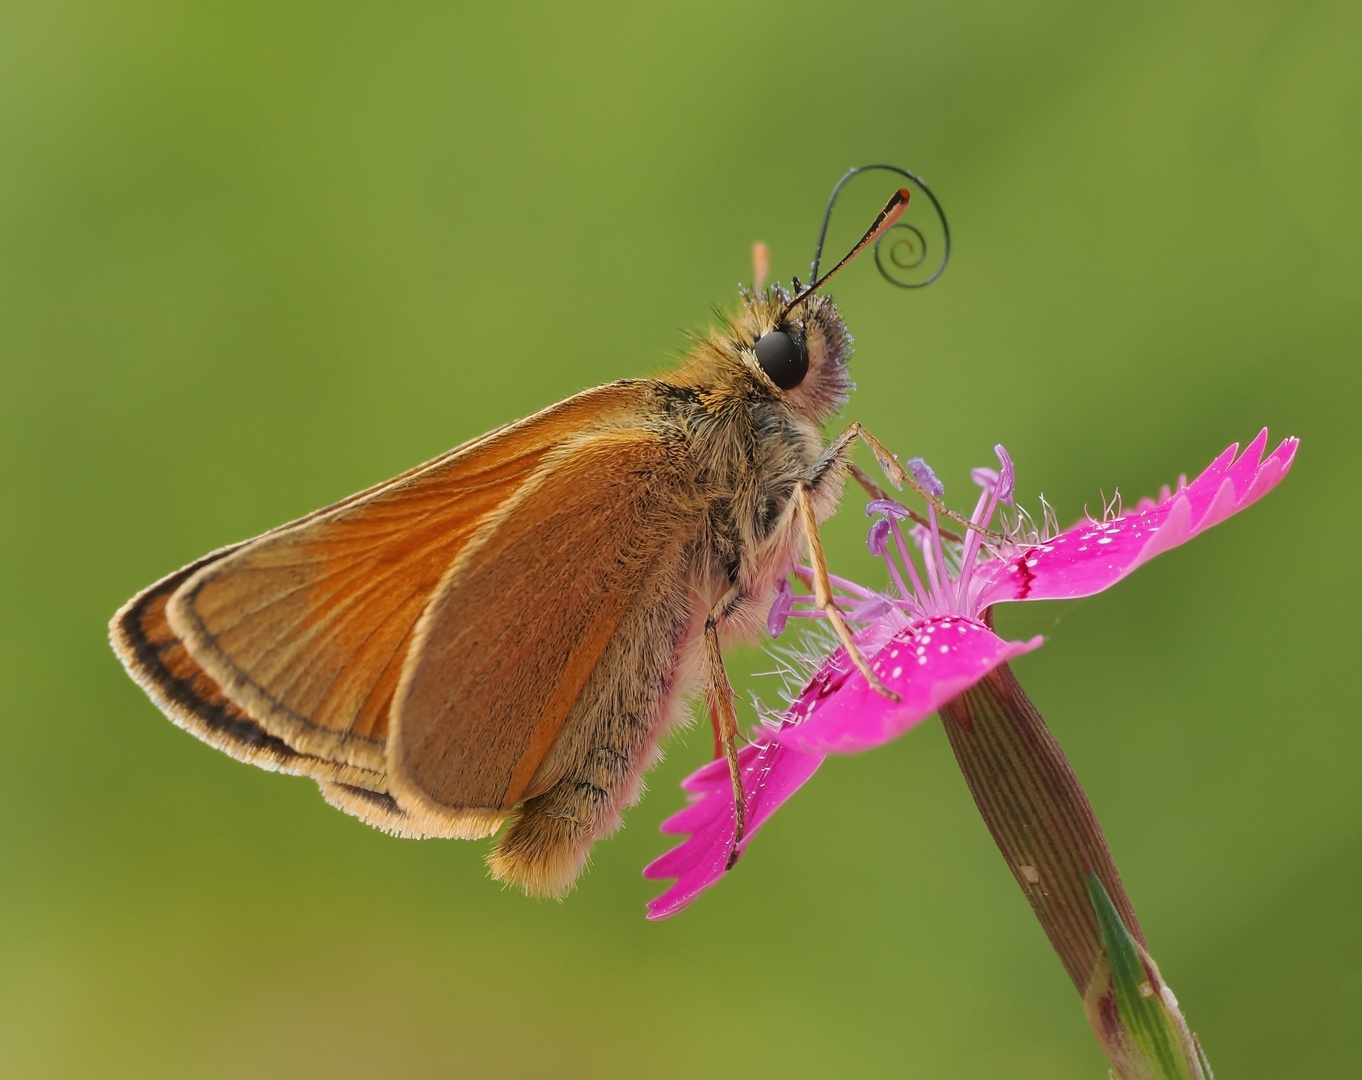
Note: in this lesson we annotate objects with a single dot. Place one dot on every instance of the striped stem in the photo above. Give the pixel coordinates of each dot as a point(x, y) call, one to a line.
point(1038, 814)
point(1045, 828)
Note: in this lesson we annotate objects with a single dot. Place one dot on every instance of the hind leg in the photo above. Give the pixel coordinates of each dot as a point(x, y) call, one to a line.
point(719, 693)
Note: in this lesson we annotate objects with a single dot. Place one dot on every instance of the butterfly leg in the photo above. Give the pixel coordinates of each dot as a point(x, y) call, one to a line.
point(863, 478)
point(720, 694)
point(822, 591)
point(901, 477)
point(876, 492)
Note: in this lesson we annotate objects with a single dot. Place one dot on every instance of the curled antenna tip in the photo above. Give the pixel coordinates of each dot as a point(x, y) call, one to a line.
point(901, 248)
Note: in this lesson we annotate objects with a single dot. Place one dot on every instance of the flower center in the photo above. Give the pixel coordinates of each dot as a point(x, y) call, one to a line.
point(941, 579)
point(947, 584)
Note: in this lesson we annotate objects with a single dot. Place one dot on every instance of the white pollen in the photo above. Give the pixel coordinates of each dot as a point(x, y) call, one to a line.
point(921, 659)
point(896, 673)
point(893, 655)
point(945, 649)
point(1105, 540)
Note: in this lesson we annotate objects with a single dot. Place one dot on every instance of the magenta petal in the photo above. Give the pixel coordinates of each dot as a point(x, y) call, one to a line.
point(771, 773)
point(927, 664)
point(1093, 556)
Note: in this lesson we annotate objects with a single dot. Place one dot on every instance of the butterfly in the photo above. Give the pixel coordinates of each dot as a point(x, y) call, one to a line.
point(509, 630)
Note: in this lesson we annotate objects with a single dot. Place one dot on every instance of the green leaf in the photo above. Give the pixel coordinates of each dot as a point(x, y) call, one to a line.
point(1132, 1009)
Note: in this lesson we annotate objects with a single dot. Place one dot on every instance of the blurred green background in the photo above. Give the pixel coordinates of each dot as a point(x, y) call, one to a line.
point(255, 257)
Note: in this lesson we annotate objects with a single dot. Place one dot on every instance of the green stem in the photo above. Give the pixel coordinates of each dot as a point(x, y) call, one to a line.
point(1038, 815)
point(1046, 830)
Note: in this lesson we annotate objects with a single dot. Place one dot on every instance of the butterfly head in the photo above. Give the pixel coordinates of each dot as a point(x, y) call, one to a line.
point(798, 352)
point(793, 345)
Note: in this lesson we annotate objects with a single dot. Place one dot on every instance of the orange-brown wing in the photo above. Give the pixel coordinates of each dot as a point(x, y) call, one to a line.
point(305, 628)
point(523, 616)
point(159, 663)
point(157, 660)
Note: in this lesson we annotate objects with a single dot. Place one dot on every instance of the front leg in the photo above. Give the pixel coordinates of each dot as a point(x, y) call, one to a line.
point(876, 492)
point(832, 462)
point(834, 459)
point(822, 590)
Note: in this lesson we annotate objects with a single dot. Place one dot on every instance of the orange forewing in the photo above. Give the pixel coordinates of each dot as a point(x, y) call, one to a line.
point(523, 616)
point(306, 628)
point(158, 661)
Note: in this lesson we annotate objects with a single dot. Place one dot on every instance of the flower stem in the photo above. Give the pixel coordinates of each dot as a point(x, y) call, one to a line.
point(1046, 830)
point(1038, 814)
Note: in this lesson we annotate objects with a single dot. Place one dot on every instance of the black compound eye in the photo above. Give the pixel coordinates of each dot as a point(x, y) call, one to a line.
point(783, 357)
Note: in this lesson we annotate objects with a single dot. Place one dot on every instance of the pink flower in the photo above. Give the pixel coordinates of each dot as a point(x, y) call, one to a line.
point(929, 639)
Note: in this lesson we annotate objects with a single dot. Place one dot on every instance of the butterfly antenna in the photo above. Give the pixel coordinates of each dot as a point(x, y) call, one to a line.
point(892, 211)
point(915, 244)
